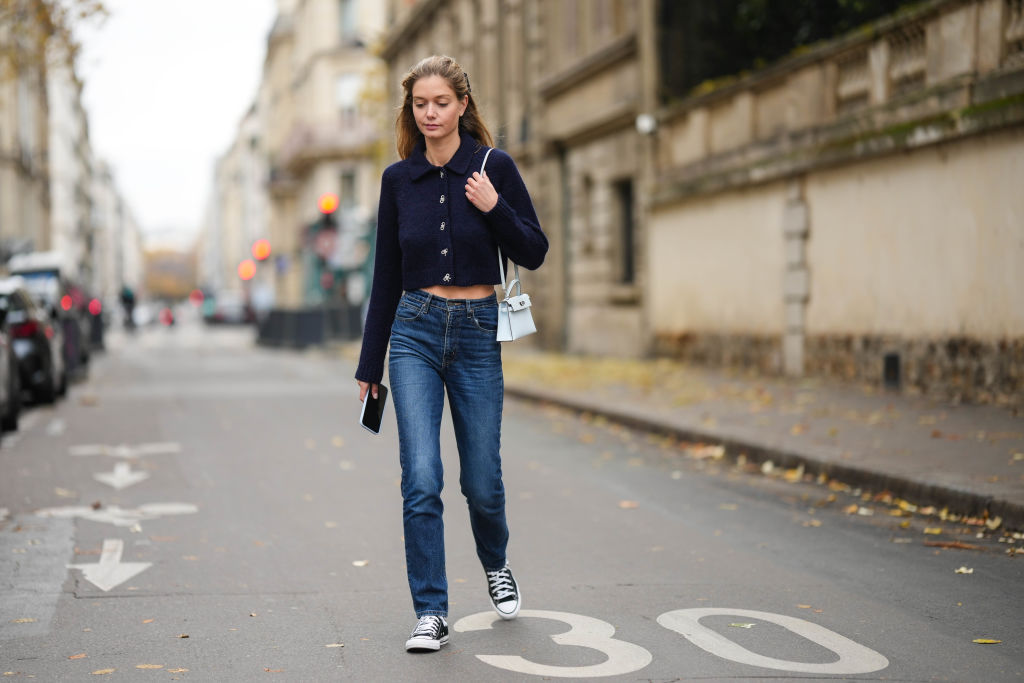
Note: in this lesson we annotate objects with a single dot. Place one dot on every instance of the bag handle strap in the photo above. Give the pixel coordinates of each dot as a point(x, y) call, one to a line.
point(501, 270)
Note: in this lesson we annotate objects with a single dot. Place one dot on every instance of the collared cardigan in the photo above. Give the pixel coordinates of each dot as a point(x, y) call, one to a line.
point(429, 234)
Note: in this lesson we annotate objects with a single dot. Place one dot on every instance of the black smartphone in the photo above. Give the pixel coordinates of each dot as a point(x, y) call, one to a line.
point(373, 409)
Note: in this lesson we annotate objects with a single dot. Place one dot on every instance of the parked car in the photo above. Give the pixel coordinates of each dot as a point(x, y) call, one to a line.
point(10, 381)
point(37, 341)
point(46, 277)
point(228, 308)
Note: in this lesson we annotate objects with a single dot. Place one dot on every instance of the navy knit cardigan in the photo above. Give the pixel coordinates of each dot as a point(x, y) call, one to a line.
point(428, 234)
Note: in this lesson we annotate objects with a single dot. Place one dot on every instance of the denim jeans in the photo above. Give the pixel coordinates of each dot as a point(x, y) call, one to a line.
point(439, 344)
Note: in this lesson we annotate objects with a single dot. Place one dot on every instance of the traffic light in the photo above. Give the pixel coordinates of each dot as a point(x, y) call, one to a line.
point(328, 203)
point(261, 249)
point(247, 269)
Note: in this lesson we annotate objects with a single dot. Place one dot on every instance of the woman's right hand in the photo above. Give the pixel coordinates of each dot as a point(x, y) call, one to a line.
point(364, 387)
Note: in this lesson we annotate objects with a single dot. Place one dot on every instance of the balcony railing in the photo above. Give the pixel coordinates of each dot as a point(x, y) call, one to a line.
point(309, 143)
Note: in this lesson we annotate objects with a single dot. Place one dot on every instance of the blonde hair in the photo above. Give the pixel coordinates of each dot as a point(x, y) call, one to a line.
point(407, 134)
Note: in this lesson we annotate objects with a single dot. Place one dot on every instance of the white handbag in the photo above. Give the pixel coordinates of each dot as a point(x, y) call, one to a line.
point(515, 320)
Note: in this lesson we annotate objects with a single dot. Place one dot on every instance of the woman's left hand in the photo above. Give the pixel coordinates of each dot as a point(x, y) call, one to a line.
point(481, 193)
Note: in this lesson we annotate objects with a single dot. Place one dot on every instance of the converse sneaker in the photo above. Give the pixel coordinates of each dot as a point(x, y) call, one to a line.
point(504, 592)
point(431, 633)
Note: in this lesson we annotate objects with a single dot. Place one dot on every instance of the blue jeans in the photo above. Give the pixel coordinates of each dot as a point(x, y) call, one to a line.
point(439, 344)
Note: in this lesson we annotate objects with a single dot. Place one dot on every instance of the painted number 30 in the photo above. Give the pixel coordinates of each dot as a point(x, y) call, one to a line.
point(624, 657)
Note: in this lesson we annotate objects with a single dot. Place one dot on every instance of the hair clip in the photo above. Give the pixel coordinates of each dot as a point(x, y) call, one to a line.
point(469, 88)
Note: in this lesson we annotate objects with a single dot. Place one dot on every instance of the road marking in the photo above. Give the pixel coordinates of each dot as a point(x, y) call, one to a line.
point(119, 516)
point(126, 451)
point(854, 658)
point(623, 657)
point(122, 477)
point(110, 572)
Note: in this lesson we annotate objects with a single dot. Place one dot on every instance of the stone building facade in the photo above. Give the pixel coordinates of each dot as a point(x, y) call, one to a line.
point(849, 210)
point(319, 100)
point(24, 165)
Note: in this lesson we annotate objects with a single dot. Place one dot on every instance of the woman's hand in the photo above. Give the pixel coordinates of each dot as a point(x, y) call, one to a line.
point(364, 387)
point(480, 192)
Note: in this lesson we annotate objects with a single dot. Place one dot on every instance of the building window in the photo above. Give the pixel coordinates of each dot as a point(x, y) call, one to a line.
point(347, 20)
point(348, 189)
point(626, 267)
point(347, 96)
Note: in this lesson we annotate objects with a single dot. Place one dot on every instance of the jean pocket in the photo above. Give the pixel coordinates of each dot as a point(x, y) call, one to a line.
point(409, 310)
point(486, 319)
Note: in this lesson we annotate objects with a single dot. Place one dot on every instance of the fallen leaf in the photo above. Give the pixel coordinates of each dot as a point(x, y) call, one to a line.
point(273, 671)
point(148, 621)
point(804, 606)
point(628, 504)
point(360, 563)
point(176, 671)
point(986, 641)
point(741, 625)
point(813, 522)
point(728, 506)
point(81, 655)
point(964, 570)
point(182, 635)
point(957, 545)
point(23, 620)
point(149, 666)
point(335, 645)
point(103, 672)
point(933, 530)
point(798, 429)
point(851, 509)
point(994, 523)
point(337, 442)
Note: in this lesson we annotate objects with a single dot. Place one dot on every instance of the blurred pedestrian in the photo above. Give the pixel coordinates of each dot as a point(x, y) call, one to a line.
point(440, 223)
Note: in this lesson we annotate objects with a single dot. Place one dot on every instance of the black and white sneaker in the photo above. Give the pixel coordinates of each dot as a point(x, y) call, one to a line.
point(431, 633)
point(504, 592)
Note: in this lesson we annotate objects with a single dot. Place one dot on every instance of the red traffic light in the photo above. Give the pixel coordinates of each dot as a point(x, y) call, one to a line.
point(261, 249)
point(66, 302)
point(247, 269)
point(328, 203)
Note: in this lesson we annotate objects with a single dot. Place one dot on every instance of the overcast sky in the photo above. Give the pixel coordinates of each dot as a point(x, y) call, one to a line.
point(166, 84)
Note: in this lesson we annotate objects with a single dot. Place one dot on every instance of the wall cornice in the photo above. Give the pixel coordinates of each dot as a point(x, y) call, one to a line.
point(604, 58)
point(400, 36)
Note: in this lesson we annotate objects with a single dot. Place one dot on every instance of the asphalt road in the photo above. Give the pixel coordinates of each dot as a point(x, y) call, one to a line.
point(256, 535)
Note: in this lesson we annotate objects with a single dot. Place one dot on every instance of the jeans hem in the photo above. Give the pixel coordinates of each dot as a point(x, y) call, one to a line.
point(431, 613)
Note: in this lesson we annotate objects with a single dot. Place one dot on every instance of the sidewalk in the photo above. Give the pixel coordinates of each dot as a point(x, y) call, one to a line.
point(969, 459)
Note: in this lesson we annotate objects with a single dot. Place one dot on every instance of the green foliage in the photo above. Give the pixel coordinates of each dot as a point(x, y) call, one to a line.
point(32, 32)
point(705, 40)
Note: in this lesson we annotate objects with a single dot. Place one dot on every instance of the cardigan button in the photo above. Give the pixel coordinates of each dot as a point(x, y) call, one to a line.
point(444, 252)
point(442, 225)
point(442, 199)
point(442, 173)
point(447, 277)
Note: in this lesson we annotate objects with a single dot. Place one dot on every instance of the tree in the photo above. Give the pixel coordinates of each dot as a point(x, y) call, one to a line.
point(701, 40)
point(35, 31)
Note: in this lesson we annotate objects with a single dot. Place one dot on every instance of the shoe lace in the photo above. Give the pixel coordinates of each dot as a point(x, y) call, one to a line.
point(500, 584)
point(429, 626)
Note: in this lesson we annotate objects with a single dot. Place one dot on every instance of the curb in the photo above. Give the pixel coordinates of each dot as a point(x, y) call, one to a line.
point(960, 501)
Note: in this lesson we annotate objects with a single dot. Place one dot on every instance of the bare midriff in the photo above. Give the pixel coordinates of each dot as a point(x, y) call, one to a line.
point(471, 292)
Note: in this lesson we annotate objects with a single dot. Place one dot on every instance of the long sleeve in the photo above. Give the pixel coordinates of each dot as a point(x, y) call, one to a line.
point(387, 285)
point(513, 219)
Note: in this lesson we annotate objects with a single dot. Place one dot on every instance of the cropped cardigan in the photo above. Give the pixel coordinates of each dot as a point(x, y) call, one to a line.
point(429, 234)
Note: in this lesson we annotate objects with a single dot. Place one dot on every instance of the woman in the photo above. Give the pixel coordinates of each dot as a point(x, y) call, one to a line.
point(439, 226)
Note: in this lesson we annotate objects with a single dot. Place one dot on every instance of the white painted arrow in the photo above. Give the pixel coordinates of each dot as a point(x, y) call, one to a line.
point(111, 572)
point(122, 477)
point(126, 451)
